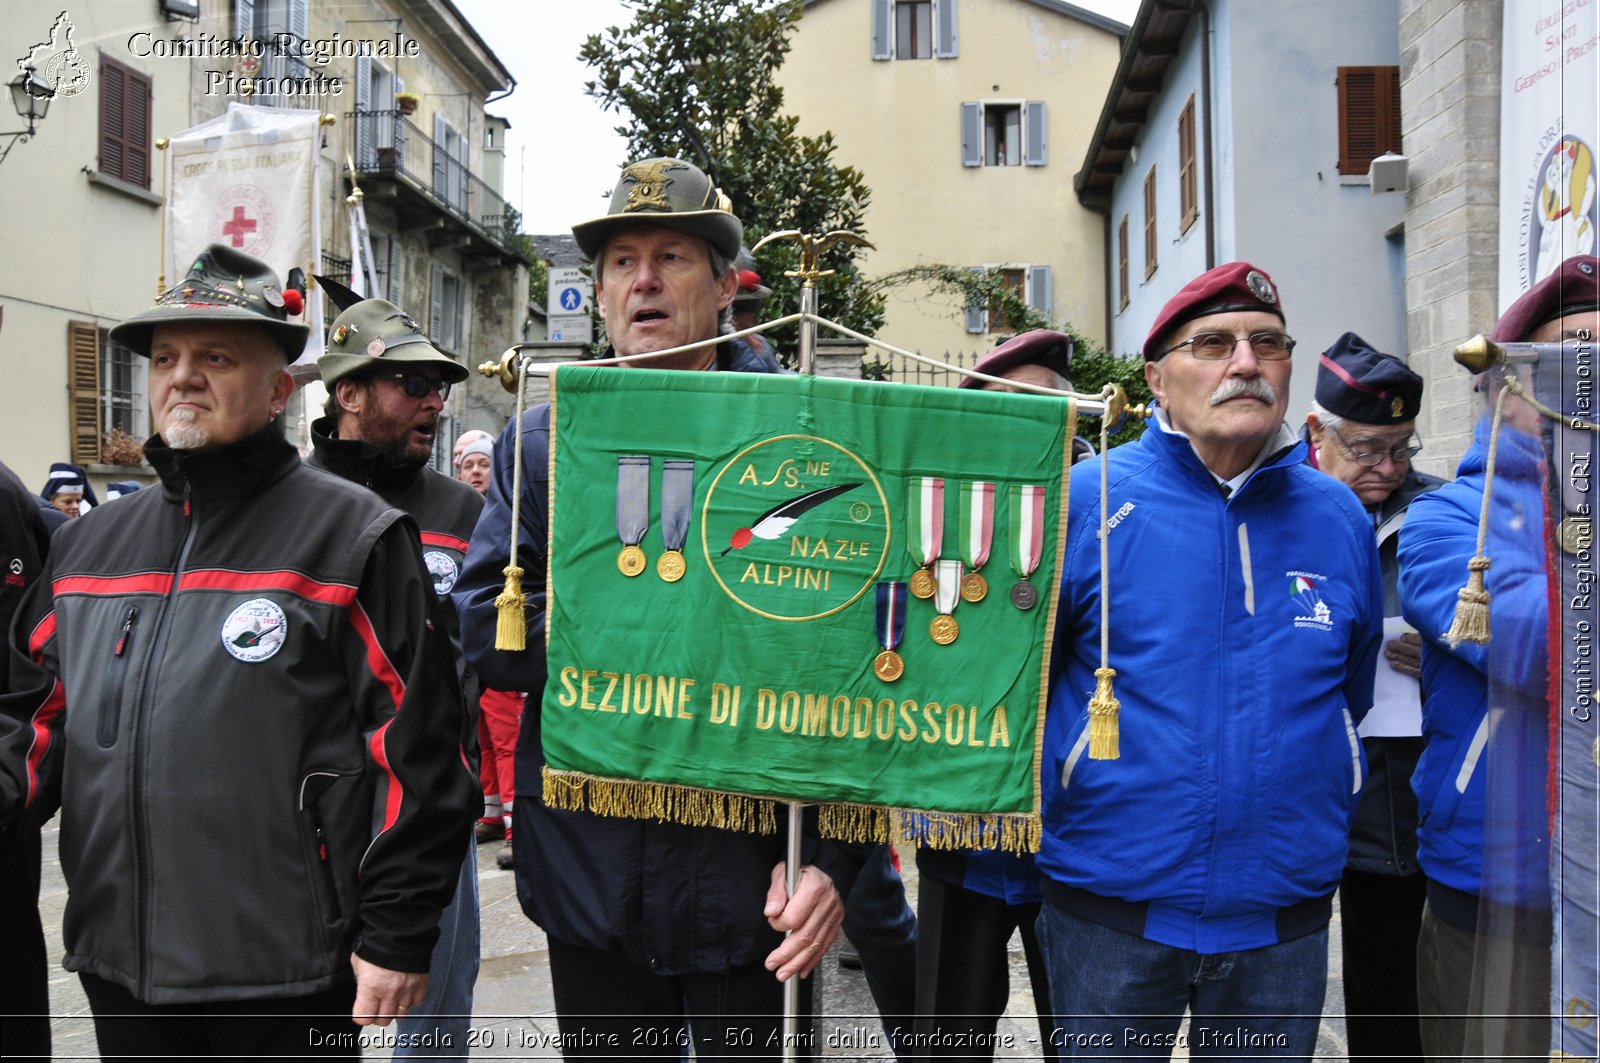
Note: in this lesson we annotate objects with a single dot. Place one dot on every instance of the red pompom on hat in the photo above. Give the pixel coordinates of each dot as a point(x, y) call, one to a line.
point(293, 301)
point(1572, 289)
point(749, 279)
point(1229, 288)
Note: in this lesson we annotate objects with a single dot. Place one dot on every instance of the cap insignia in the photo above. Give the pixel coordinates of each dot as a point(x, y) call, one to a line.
point(1396, 407)
point(649, 191)
point(1261, 288)
point(1586, 268)
point(376, 348)
point(341, 334)
point(273, 297)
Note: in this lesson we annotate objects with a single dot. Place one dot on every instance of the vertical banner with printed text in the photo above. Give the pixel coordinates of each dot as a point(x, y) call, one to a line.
point(249, 179)
point(1549, 118)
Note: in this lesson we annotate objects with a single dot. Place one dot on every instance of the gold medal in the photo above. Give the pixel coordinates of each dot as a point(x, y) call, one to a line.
point(922, 584)
point(944, 629)
point(974, 587)
point(630, 562)
point(888, 666)
point(1575, 533)
point(670, 566)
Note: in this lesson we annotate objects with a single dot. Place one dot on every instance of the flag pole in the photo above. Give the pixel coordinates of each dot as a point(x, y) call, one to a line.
point(811, 250)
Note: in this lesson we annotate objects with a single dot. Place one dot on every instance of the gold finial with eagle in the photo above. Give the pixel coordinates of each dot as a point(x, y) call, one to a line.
point(812, 249)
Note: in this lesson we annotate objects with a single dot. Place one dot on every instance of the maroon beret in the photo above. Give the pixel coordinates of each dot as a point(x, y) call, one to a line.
point(1041, 346)
point(1225, 289)
point(1572, 289)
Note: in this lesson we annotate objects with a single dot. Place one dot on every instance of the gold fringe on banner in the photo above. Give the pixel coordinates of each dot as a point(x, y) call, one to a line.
point(1018, 832)
point(636, 799)
point(693, 806)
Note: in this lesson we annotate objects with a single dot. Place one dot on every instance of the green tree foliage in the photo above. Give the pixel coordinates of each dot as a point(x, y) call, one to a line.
point(1093, 366)
point(694, 79)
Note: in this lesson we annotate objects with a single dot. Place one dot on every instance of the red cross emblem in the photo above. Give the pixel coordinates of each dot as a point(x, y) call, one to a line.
point(237, 226)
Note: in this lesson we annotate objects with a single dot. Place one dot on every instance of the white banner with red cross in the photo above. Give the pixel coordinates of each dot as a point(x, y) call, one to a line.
point(249, 179)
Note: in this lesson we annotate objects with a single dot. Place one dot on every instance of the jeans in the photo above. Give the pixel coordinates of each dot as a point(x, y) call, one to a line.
point(438, 1026)
point(1118, 996)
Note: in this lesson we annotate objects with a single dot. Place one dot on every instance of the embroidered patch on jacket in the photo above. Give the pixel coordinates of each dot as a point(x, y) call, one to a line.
point(442, 567)
point(1305, 590)
point(255, 630)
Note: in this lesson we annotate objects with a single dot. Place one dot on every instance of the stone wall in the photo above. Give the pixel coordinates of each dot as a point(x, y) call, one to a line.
point(1450, 122)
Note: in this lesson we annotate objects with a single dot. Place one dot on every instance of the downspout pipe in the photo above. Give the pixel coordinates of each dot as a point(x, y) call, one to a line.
point(1205, 92)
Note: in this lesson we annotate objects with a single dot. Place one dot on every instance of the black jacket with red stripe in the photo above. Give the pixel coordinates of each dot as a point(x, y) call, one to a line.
point(237, 691)
point(445, 510)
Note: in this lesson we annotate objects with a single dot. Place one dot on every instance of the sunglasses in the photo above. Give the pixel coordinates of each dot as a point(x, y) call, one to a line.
point(416, 385)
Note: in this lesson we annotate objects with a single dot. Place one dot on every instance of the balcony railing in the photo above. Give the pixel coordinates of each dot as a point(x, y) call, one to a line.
point(387, 145)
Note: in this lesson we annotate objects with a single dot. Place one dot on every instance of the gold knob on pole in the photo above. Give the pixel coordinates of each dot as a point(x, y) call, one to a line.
point(505, 369)
point(1479, 353)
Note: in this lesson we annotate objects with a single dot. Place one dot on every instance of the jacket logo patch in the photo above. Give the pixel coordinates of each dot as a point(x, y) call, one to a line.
point(255, 630)
point(442, 567)
point(1305, 590)
point(1120, 515)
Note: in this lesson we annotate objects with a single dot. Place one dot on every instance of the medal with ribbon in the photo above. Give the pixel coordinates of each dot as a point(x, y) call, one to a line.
point(977, 530)
point(1027, 541)
point(944, 628)
point(888, 665)
point(677, 499)
point(633, 511)
point(925, 517)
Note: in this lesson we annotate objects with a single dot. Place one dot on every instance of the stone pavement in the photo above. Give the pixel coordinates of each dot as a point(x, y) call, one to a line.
point(514, 1008)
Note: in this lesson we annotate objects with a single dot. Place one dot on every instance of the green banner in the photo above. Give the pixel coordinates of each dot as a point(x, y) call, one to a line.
point(776, 655)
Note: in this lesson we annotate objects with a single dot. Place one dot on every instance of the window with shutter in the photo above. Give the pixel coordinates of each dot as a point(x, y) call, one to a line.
point(913, 29)
point(882, 42)
point(1016, 281)
point(1369, 115)
point(1041, 293)
point(1150, 261)
point(977, 311)
point(1122, 263)
point(83, 390)
point(944, 22)
point(124, 123)
point(1188, 178)
point(1033, 141)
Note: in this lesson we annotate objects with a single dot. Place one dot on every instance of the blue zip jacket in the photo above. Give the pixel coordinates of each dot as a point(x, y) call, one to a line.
point(1245, 633)
point(1439, 537)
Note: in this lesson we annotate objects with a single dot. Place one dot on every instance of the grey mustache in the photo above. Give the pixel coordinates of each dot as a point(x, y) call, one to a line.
point(1253, 387)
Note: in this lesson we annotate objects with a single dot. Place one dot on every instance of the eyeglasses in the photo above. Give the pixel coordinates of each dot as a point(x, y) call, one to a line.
point(416, 385)
point(1371, 458)
point(1219, 346)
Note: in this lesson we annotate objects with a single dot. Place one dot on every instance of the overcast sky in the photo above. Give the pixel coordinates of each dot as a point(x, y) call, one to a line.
point(571, 152)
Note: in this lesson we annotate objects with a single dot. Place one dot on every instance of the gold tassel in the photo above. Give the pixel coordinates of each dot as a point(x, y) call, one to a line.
point(1103, 707)
point(1471, 623)
point(511, 626)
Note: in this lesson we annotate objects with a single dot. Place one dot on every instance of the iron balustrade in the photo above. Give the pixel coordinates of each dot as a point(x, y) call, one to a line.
point(387, 145)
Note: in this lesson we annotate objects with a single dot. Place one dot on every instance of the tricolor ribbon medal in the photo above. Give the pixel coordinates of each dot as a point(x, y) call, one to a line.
point(925, 515)
point(977, 530)
point(677, 499)
point(633, 511)
point(888, 665)
point(944, 628)
point(1027, 541)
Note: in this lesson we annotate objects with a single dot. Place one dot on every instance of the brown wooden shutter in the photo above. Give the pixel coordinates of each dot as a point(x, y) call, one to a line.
point(136, 142)
point(1122, 263)
point(113, 86)
point(124, 123)
point(1188, 179)
point(83, 390)
point(1150, 222)
point(1369, 115)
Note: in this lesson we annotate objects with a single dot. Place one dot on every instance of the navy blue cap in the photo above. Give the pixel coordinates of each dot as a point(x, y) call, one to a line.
point(1360, 383)
point(66, 476)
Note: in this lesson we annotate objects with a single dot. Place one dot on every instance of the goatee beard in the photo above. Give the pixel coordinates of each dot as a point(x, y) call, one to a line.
point(183, 434)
